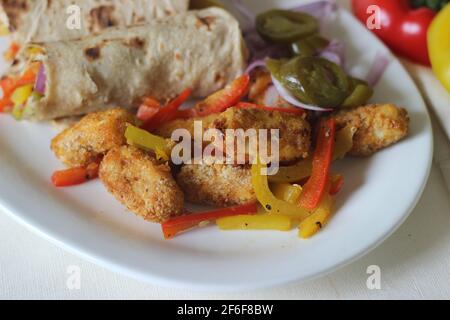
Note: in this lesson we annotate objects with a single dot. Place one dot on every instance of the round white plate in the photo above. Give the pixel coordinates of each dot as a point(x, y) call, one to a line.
point(378, 195)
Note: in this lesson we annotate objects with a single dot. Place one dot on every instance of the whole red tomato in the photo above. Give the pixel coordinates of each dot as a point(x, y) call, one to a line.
point(402, 28)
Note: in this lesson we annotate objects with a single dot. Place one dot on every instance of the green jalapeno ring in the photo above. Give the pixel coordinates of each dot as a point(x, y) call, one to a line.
point(284, 26)
point(315, 81)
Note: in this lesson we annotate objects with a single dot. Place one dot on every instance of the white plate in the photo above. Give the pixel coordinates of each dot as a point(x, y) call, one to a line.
point(379, 194)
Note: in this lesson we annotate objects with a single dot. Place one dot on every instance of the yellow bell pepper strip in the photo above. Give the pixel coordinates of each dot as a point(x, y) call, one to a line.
point(318, 219)
point(302, 169)
point(294, 173)
point(256, 222)
point(180, 224)
point(168, 112)
point(314, 189)
point(268, 200)
point(145, 140)
point(4, 30)
point(75, 176)
point(18, 98)
point(439, 46)
point(287, 192)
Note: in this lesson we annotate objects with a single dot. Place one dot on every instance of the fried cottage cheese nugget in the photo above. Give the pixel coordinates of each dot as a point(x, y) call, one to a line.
point(217, 185)
point(294, 130)
point(377, 126)
point(141, 183)
point(92, 137)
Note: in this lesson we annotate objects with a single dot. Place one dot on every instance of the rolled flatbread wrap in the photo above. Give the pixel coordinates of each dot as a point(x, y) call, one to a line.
point(201, 50)
point(46, 20)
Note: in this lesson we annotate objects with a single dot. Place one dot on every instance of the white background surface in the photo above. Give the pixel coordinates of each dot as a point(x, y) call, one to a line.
point(414, 262)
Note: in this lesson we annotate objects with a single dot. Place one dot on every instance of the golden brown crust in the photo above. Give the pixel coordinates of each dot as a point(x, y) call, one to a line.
point(377, 126)
point(141, 184)
point(93, 136)
point(294, 130)
point(217, 185)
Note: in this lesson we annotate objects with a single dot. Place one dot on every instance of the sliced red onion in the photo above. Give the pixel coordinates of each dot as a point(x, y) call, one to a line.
point(331, 56)
point(255, 64)
point(41, 80)
point(286, 95)
point(335, 52)
point(271, 96)
point(379, 66)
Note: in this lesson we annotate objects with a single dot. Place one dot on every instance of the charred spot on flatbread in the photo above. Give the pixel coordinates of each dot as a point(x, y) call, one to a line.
point(135, 42)
point(92, 54)
point(101, 18)
point(207, 22)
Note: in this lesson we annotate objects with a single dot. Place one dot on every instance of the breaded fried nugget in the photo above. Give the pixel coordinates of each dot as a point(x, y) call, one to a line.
point(217, 185)
point(377, 126)
point(294, 130)
point(141, 184)
point(91, 137)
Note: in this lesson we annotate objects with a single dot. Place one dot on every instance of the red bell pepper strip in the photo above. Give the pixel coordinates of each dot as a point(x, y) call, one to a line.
point(221, 100)
point(247, 105)
point(75, 176)
point(148, 109)
point(168, 112)
point(337, 182)
point(315, 188)
point(172, 227)
point(402, 27)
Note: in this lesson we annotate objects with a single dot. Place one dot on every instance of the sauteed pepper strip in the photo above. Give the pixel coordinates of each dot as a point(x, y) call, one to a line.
point(168, 112)
point(177, 225)
point(268, 200)
point(75, 176)
point(221, 100)
point(146, 140)
point(303, 169)
point(314, 189)
point(439, 46)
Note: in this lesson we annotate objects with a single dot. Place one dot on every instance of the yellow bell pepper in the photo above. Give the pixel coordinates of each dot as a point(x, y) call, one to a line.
point(256, 222)
point(18, 98)
point(4, 30)
point(268, 200)
point(303, 169)
point(287, 192)
point(145, 140)
point(439, 46)
point(318, 219)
